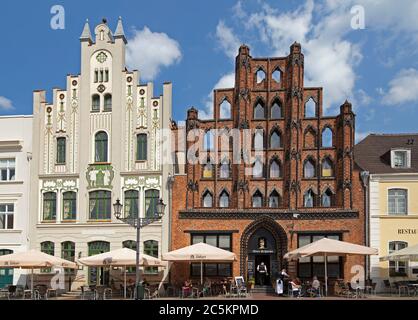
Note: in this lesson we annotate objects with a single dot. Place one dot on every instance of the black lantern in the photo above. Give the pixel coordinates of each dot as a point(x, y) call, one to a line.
point(117, 207)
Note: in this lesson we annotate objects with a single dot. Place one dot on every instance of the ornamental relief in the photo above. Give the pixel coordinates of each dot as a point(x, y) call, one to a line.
point(59, 184)
point(147, 182)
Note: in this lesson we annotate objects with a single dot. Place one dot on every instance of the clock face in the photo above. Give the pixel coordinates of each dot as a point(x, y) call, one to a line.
point(101, 57)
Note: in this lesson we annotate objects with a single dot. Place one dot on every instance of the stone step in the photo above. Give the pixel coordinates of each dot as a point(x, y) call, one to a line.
point(262, 289)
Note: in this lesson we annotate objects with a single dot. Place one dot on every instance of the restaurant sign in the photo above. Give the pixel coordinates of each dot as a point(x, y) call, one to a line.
point(407, 231)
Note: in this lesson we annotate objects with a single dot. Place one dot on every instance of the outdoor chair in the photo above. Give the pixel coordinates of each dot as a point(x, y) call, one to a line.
point(86, 293)
point(41, 292)
point(102, 293)
point(11, 292)
point(402, 288)
point(295, 291)
point(390, 287)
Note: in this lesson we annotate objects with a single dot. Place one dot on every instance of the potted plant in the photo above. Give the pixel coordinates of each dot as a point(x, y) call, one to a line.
point(251, 282)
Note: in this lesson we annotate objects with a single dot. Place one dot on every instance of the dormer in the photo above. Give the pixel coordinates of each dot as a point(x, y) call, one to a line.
point(103, 32)
point(400, 158)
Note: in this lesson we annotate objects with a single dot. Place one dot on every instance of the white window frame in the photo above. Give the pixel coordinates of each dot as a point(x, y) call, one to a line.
point(397, 242)
point(407, 202)
point(7, 213)
point(407, 153)
point(8, 167)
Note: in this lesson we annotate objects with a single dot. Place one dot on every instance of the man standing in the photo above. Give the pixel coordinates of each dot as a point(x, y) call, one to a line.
point(262, 272)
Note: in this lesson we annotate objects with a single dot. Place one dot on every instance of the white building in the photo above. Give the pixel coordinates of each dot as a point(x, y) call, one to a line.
point(99, 141)
point(15, 158)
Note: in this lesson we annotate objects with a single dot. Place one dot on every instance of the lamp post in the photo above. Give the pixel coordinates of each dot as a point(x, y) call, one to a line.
point(138, 223)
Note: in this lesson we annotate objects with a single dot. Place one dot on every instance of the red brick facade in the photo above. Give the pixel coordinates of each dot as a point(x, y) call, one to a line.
point(300, 141)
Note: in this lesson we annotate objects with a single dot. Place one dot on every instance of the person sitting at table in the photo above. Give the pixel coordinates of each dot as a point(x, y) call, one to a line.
point(296, 286)
point(187, 288)
point(145, 283)
point(315, 289)
point(207, 287)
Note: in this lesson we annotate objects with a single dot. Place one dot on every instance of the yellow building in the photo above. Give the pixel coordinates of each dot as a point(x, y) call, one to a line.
point(390, 164)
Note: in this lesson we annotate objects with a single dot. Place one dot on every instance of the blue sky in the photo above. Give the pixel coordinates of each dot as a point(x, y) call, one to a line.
point(376, 68)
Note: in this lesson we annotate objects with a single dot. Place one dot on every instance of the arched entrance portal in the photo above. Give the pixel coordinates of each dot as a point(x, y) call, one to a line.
point(264, 240)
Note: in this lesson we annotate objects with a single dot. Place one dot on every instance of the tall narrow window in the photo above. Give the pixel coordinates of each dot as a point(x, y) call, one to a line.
point(101, 75)
point(258, 169)
point(101, 147)
point(258, 143)
point(68, 253)
point(95, 103)
point(274, 199)
point(208, 141)
point(224, 200)
point(49, 206)
point(130, 244)
point(47, 247)
point(225, 109)
point(108, 102)
point(96, 75)
point(224, 172)
point(309, 199)
point(131, 203)
point(208, 170)
point(152, 197)
point(327, 168)
point(7, 169)
point(327, 198)
point(142, 147)
point(309, 169)
point(257, 199)
point(7, 216)
point(106, 75)
point(275, 169)
point(61, 150)
point(277, 75)
point(151, 249)
point(100, 205)
point(397, 201)
point(327, 138)
point(69, 205)
point(275, 140)
point(259, 111)
point(310, 108)
point(276, 110)
point(207, 200)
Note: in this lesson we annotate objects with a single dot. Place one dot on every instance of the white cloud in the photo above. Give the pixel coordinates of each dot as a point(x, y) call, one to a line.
point(226, 81)
point(227, 40)
point(402, 88)
point(5, 104)
point(363, 98)
point(150, 51)
point(361, 135)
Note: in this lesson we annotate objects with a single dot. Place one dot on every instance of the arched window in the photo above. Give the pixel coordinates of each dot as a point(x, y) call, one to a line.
point(275, 140)
point(309, 169)
point(326, 138)
point(224, 200)
point(107, 102)
point(225, 109)
point(49, 206)
point(260, 75)
point(101, 147)
point(68, 253)
point(257, 199)
point(208, 141)
point(276, 110)
point(131, 203)
point(327, 198)
point(224, 172)
point(69, 205)
point(95, 103)
point(259, 111)
point(208, 170)
point(274, 199)
point(48, 247)
point(207, 200)
point(310, 108)
point(130, 244)
point(152, 197)
point(310, 138)
point(277, 75)
point(100, 205)
point(275, 169)
point(258, 170)
point(327, 168)
point(61, 150)
point(141, 147)
point(258, 142)
point(309, 199)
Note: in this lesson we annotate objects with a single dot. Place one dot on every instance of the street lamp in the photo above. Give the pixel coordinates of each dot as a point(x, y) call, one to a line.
point(138, 223)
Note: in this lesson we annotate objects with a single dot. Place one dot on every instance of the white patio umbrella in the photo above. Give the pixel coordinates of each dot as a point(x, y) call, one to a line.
point(124, 257)
point(34, 259)
point(406, 254)
point(328, 247)
point(200, 252)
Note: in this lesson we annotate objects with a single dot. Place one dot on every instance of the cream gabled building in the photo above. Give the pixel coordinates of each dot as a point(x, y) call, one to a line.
point(99, 141)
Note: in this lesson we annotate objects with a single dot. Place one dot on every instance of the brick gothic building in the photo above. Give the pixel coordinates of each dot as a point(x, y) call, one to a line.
point(307, 187)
